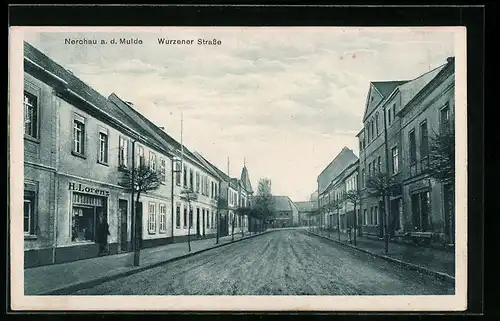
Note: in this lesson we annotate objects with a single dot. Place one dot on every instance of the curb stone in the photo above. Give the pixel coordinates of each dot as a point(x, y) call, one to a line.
point(67, 290)
point(440, 275)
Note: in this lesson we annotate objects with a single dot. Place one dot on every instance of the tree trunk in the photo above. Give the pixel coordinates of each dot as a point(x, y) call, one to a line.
point(338, 222)
point(386, 232)
point(355, 223)
point(138, 232)
point(217, 224)
point(189, 227)
point(232, 227)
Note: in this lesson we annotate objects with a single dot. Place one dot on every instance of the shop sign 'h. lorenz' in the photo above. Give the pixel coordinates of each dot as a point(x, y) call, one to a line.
point(86, 189)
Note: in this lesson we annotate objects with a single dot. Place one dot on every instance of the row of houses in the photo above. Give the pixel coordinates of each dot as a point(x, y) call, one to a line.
point(77, 146)
point(399, 118)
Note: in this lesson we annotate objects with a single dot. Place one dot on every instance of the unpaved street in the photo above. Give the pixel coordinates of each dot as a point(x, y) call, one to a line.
point(287, 262)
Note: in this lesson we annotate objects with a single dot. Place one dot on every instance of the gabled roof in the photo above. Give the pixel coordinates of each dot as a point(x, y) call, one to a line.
point(161, 135)
point(87, 93)
point(411, 88)
point(214, 168)
point(343, 159)
point(306, 206)
point(245, 180)
point(282, 203)
point(385, 88)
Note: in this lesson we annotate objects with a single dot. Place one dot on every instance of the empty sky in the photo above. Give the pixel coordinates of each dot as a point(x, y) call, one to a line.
point(286, 99)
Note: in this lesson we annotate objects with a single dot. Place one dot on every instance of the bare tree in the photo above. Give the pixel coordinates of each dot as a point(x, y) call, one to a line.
point(353, 197)
point(220, 204)
point(189, 196)
point(442, 156)
point(264, 200)
point(336, 205)
point(382, 185)
point(140, 179)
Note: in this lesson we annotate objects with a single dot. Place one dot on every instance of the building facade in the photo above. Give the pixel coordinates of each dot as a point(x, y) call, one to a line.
point(307, 211)
point(79, 147)
point(89, 143)
point(331, 188)
point(389, 146)
point(428, 203)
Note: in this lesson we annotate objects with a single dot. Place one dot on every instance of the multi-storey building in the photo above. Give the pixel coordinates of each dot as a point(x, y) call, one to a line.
point(77, 145)
point(331, 187)
point(307, 211)
point(196, 216)
point(428, 204)
point(384, 134)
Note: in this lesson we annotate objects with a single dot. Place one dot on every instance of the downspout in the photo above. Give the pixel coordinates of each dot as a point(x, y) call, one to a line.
point(56, 178)
point(172, 196)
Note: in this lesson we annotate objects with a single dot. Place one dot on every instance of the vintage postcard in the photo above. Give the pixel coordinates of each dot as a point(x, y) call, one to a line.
point(238, 168)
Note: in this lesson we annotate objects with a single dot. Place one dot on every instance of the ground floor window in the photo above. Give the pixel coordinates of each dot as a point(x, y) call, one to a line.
point(163, 217)
point(185, 217)
point(420, 205)
point(208, 218)
point(85, 211)
point(152, 217)
point(29, 213)
point(178, 216)
point(365, 216)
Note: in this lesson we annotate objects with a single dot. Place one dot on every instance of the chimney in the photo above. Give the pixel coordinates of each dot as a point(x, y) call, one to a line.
point(131, 104)
point(450, 60)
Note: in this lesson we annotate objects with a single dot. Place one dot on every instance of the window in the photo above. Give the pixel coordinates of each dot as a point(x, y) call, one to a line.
point(213, 220)
point(212, 189)
point(363, 177)
point(163, 175)
point(379, 164)
point(103, 148)
point(178, 216)
point(365, 216)
point(389, 117)
point(367, 130)
point(375, 211)
point(208, 218)
point(376, 123)
point(152, 161)
point(184, 177)
point(370, 169)
point(197, 182)
point(412, 147)
point(29, 212)
point(371, 216)
point(191, 179)
point(163, 217)
point(123, 153)
point(185, 217)
point(152, 217)
point(424, 140)
point(372, 130)
point(420, 205)
point(178, 173)
point(215, 187)
point(394, 111)
point(395, 163)
point(78, 137)
point(444, 120)
point(360, 145)
point(30, 115)
point(140, 153)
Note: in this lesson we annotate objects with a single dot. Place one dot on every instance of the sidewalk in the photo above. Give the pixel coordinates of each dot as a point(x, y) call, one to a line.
point(432, 259)
point(65, 278)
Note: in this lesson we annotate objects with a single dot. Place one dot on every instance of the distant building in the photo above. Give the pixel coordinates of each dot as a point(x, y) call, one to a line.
point(314, 196)
point(307, 209)
point(331, 187)
point(285, 212)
